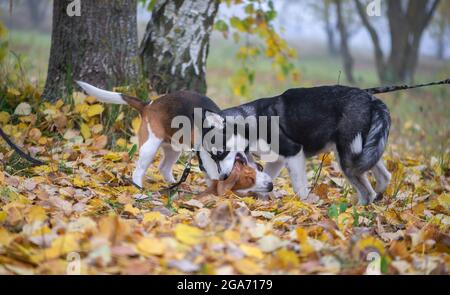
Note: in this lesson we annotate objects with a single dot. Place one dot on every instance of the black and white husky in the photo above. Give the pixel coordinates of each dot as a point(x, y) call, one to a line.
point(350, 121)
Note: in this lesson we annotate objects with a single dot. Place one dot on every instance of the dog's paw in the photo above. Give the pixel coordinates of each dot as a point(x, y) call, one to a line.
point(366, 200)
point(169, 178)
point(303, 193)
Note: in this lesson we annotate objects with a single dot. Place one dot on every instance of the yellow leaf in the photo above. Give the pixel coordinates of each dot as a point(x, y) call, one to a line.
point(135, 124)
point(91, 99)
point(85, 131)
point(249, 201)
point(152, 217)
point(60, 246)
point(232, 236)
point(370, 243)
point(35, 134)
point(302, 236)
point(188, 234)
point(444, 201)
point(77, 181)
point(13, 92)
point(81, 108)
point(97, 128)
point(78, 97)
point(251, 251)
point(121, 142)
point(36, 213)
point(4, 117)
point(112, 156)
point(150, 246)
point(95, 109)
point(5, 237)
point(132, 210)
point(120, 117)
point(287, 258)
point(247, 267)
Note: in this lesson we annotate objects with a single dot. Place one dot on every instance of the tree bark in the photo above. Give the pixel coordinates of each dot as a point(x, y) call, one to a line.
point(176, 44)
point(406, 31)
point(378, 52)
point(347, 58)
point(440, 49)
point(332, 50)
point(99, 47)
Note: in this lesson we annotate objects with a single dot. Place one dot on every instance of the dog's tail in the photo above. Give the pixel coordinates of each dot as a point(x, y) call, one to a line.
point(386, 89)
point(112, 97)
point(376, 138)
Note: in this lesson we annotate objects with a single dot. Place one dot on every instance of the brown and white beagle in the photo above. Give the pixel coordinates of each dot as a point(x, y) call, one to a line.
point(243, 178)
point(156, 131)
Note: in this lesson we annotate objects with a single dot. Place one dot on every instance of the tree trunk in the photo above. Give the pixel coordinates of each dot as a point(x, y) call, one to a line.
point(332, 50)
point(378, 52)
point(176, 43)
point(99, 46)
point(347, 58)
point(406, 31)
point(441, 43)
point(441, 30)
point(37, 9)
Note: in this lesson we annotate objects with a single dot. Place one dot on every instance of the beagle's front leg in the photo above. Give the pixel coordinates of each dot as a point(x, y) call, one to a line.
point(146, 154)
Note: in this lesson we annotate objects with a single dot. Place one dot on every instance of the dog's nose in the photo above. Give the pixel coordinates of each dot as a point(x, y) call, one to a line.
point(269, 186)
point(223, 177)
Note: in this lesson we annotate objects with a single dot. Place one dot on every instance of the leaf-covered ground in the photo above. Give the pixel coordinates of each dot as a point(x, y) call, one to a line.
point(79, 213)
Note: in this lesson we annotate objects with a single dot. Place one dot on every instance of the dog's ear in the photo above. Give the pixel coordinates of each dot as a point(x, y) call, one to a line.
point(214, 120)
point(227, 184)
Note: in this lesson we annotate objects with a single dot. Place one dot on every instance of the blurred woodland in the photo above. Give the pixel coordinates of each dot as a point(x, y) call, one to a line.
point(79, 205)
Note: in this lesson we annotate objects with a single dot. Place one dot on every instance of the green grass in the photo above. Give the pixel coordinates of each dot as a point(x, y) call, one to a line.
point(33, 50)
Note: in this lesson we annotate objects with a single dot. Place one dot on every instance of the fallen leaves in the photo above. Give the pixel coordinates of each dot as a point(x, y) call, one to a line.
point(150, 246)
point(79, 205)
point(188, 235)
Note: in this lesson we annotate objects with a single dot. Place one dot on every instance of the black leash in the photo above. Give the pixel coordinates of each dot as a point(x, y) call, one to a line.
point(386, 89)
point(21, 153)
point(184, 176)
point(36, 162)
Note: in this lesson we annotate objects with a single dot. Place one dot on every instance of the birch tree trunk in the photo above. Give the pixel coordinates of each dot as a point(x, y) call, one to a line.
point(176, 43)
point(99, 46)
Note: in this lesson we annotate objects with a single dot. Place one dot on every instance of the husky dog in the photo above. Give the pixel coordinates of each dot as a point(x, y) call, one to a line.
point(350, 121)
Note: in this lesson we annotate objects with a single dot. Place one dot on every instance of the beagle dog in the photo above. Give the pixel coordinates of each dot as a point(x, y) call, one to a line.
point(242, 179)
point(157, 131)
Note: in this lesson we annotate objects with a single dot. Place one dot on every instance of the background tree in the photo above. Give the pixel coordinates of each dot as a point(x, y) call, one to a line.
point(324, 10)
point(38, 10)
point(440, 28)
point(347, 59)
point(407, 23)
point(99, 47)
point(176, 44)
